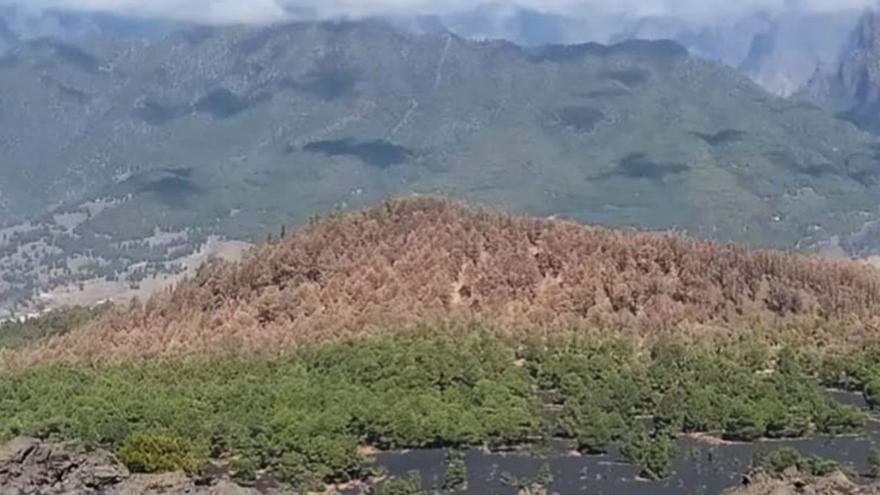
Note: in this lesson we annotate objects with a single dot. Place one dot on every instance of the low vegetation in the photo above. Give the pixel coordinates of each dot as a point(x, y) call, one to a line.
point(456, 478)
point(787, 460)
point(652, 452)
point(304, 416)
point(874, 464)
point(155, 453)
point(411, 484)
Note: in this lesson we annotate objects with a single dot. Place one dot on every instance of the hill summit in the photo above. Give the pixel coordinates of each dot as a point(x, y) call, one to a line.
point(424, 260)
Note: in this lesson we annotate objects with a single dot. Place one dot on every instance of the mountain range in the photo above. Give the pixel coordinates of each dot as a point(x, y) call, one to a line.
point(118, 157)
point(779, 47)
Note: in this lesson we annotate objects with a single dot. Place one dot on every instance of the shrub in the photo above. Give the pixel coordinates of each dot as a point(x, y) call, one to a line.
point(293, 468)
point(456, 476)
point(838, 420)
point(845, 372)
point(593, 429)
point(244, 470)
point(872, 391)
point(744, 423)
point(544, 478)
point(874, 464)
point(788, 423)
point(777, 462)
point(157, 453)
point(653, 454)
point(701, 411)
point(411, 484)
point(529, 484)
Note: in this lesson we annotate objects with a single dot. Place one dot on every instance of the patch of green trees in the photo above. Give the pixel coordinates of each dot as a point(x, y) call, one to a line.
point(684, 390)
point(303, 417)
point(16, 333)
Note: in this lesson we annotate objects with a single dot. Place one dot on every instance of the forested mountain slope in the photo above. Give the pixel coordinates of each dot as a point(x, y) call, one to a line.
point(237, 131)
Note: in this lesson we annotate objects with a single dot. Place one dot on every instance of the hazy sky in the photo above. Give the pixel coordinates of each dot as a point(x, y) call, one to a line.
point(224, 11)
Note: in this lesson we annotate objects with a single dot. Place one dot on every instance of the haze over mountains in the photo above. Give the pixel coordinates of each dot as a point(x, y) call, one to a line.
point(781, 49)
point(780, 44)
point(852, 88)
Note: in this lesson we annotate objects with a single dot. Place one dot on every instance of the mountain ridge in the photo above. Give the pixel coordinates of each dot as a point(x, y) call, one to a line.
point(234, 132)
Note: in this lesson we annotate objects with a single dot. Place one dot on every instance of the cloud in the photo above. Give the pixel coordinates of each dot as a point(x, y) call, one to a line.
point(208, 11)
point(257, 11)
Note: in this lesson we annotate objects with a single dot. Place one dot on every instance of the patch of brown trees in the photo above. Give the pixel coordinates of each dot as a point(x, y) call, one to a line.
point(424, 260)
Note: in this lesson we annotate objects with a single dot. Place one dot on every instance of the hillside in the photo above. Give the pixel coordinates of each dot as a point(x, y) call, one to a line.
point(120, 157)
point(425, 326)
point(418, 261)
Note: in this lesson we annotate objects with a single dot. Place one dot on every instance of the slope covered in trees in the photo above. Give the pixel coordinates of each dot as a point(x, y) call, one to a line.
point(427, 261)
point(232, 131)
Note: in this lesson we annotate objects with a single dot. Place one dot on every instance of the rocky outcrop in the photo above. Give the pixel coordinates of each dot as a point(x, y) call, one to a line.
point(835, 484)
point(860, 67)
point(852, 88)
point(31, 467)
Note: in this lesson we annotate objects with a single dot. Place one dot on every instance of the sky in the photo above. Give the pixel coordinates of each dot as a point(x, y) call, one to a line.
point(259, 11)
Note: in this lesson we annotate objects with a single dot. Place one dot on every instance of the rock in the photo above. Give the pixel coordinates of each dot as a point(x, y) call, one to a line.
point(228, 488)
point(790, 472)
point(835, 484)
point(31, 467)
point(16, 450)
point(853, 89)
point(838, 478)
point(783, 490)
point(149, 484)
